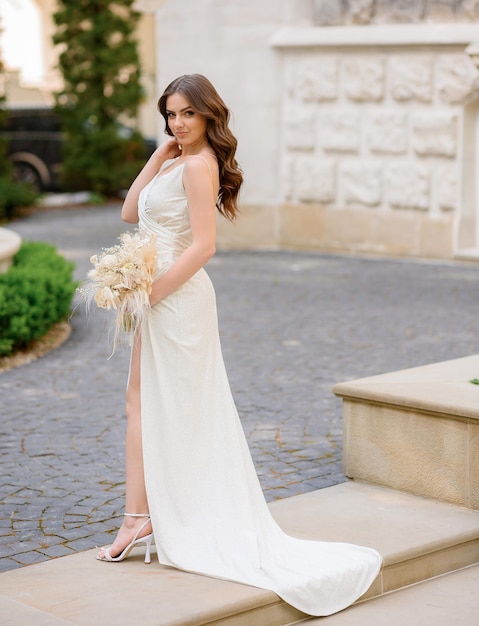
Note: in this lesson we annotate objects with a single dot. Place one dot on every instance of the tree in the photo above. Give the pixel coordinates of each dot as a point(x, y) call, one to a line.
point(101, 73)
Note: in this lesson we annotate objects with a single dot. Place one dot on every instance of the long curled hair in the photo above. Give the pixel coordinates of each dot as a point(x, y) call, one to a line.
point(204, 99)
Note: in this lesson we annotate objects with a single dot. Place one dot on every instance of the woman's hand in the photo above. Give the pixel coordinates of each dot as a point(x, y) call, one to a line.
point(168, 150)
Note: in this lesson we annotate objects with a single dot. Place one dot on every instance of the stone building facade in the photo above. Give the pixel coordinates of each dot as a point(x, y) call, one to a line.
point(390, 164)
point(356, 119)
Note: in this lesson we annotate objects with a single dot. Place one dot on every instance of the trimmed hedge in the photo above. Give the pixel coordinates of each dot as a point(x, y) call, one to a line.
point(35, 293)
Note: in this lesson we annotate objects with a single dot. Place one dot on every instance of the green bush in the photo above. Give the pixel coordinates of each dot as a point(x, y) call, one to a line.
point(13, 195)
point(35, 293)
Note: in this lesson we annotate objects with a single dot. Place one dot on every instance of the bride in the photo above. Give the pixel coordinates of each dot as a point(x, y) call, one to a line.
point(190, 480)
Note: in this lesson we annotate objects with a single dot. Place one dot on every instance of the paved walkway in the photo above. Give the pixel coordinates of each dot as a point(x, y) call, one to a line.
point(292, 325)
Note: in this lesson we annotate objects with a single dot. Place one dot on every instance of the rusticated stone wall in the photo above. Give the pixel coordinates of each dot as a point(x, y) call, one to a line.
point(375, 130)
point(340, 12)
point(379, 139)
point(357, 120)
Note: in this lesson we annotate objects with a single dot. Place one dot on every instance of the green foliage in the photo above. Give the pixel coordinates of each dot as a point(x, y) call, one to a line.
point(35, 293)
point(13, 195)
point(101, 73)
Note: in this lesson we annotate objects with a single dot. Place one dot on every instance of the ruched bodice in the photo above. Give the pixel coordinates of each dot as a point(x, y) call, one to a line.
point(163, 211)
point(207, 509)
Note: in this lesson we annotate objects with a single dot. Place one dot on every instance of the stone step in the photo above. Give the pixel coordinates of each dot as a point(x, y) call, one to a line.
point(416, 430)
point(441, 601)
point(418, 539)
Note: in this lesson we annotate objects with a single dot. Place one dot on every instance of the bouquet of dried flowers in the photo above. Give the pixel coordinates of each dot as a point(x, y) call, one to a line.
point(122, 279)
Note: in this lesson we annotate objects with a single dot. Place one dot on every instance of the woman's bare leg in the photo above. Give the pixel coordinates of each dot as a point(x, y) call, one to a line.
point(136, 501)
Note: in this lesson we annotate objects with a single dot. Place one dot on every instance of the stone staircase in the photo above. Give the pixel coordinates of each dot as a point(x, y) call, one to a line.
point(416, 430)
point(412, 447)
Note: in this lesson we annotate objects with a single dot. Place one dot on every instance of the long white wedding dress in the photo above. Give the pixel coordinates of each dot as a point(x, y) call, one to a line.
point(207, 508)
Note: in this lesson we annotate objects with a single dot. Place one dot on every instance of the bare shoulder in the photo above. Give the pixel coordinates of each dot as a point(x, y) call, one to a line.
point(198, 164)
point(201, 167)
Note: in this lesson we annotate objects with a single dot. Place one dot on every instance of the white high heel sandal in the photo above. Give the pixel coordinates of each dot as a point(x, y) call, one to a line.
point(147, 539)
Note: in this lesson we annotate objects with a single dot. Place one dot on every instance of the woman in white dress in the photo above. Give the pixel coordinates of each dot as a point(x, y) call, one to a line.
point(190, 479)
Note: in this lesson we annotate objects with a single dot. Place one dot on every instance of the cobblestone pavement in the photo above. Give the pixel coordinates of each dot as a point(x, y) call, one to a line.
point(292, 325)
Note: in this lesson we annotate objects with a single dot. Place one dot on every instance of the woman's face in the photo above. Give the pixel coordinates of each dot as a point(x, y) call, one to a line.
point(187, 125)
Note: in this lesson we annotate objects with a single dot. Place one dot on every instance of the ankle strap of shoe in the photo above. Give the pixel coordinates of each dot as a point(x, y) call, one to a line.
point(136, 514)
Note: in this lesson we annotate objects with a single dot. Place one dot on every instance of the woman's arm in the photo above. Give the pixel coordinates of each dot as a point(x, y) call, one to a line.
point(201, 193)
point(129, 210)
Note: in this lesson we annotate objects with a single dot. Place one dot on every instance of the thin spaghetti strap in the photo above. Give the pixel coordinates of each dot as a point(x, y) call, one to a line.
point(200, 156)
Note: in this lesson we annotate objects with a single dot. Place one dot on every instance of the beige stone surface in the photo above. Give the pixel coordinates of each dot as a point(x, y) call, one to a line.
point(316, 227)
point(395, 233)
point(301, 226)
point(443, 601)
point(472, 473)
point(437, 236)
point(416, 537)
point(130, 592)
point(17, 613)
point(406, 450)
point(346, 229)
point(416, 430)
point(442, 387)
point(255, 227)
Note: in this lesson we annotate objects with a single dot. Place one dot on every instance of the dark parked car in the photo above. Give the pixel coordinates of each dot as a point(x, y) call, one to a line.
point(34, 145)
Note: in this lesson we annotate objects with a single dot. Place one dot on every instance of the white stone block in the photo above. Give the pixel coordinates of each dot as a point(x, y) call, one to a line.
point(287, 176)
point(340, 131)
point(435, 134)
point(328, 12)
point(361, 11)
point(447, 187)
point(314, 179)
point(407, 185)
point(300, 128)
point(468, 9)
point(364, 79)
point(315, 79)
point(457, 79)
point(387, 132)
point(400, 10)
point(410, 78)
point(441, 10)
point(361, 183)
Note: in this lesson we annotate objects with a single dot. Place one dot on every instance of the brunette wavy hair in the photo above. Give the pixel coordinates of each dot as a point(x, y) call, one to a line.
point(204, 99)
